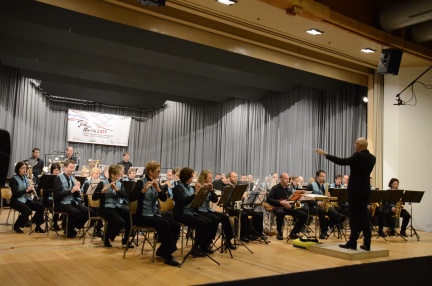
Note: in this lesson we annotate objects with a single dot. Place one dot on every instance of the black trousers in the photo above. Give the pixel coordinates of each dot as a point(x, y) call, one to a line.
point(359, 219)
point(117, 219)
point(168, 231)
point(391, 221)
point(245, 224)
point(215, 222)
point(298, 214)
point(77, 214)
point(26, 210)
point(202, 225)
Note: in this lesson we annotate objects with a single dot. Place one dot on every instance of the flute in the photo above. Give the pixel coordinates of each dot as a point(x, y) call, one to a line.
point(105, 188)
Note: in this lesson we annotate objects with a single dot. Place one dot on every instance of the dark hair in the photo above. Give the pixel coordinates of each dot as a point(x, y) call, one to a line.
point(185, 174)
point(35, 149)
point(55, 166)
point(392, 180)
point(338, 176)
point(319, 172)
point(67, 162)
point(19, 165)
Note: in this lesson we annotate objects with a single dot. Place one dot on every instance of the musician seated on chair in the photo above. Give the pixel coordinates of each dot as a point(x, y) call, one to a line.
point(394, 211)
point(88, 189)
point(67, 198)
point(147, 191)
point(376, 212)
point(278, 197)
point(205, 179)
point(320, 208)
point(112, 207)
point(21, 200)
point(184, 194)
point(340, 207)
point(247, 231)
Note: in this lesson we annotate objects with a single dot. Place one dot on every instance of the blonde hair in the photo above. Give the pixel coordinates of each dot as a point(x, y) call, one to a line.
point(203, 176)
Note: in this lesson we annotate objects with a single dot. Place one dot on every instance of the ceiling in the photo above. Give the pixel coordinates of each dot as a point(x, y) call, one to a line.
point(122, 53)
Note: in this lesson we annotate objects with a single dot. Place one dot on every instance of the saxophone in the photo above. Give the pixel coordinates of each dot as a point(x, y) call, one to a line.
point(327, 203)
point(373, 207)
point(398, 210)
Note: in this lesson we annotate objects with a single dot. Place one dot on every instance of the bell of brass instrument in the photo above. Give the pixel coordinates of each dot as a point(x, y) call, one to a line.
point(373, 208)
point(297, 205)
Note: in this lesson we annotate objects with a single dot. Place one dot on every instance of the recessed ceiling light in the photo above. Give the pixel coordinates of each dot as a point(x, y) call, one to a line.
point(367, 50)
point(365, 99)
point(227, 2)
point(314, 32)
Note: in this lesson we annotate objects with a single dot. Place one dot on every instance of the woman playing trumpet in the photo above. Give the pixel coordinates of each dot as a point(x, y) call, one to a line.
point(112, 196)
point(21, 187)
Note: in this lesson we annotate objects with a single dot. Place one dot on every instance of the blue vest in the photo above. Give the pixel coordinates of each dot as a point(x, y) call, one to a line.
point(188, 191)
point(67, 185)
point(22, 185)
point(150, 201)
point(205, 207)
point(317, 190)
point(112, 199)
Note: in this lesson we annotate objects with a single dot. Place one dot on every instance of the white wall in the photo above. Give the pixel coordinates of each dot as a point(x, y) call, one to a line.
point(407, 140)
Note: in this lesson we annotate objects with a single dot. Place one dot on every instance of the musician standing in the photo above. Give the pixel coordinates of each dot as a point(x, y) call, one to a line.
point(36, 163)
point(21, 188)
point(112, 206)
point(278, 197)
point(147, 191)
point(69, 155)
point(67, 197)
point(126, 163)
point(361, 163)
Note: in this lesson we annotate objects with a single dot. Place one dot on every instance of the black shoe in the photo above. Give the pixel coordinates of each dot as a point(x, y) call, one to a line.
point(172, 262)
point(196, 252)
point(381, 233)
point(39, 229)
point(323, 236)
point(391, 232)
point(348, 246)
point(207, 250)
point(230, 245)
point(244, 239)
point(279, 236)
point(17, 229)
point(403, 233)
point(294, 235)
point(107, 244)
point(254, 237)
point(365, 247)
point(28, 224)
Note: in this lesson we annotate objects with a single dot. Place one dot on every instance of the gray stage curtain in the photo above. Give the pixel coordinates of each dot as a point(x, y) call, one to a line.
point(276, 134)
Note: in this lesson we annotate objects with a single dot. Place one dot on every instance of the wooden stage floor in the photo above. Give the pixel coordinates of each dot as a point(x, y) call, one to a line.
point(41, 260)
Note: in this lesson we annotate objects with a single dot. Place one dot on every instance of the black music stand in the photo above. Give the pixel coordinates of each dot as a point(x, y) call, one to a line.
point(412, 197)
point(46, 183)
point(199, 199)
point(237, 195)
point(226, 193)
point(342, 197)
point(393, 196)
point(376, 197)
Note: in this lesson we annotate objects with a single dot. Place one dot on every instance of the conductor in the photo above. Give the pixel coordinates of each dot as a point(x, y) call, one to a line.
point(361, 163)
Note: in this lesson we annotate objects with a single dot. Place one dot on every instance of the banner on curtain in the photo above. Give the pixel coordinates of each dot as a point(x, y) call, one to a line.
point(98, 128)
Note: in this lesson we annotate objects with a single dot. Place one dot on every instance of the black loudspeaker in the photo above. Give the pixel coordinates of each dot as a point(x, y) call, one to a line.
point(389, 61)
point(5, 152)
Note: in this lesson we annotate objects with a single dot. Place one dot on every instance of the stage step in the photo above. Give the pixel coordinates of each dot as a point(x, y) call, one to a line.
point(334, 250)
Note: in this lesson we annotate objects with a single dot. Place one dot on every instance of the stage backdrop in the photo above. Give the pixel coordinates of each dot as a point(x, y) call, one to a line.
point(98, 128)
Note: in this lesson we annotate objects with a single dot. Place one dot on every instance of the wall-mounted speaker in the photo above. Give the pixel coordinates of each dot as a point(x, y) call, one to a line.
point(389, 62)
point(5, 152)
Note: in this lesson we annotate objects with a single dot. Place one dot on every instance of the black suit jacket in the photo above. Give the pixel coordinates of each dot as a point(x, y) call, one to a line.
point(361, 164)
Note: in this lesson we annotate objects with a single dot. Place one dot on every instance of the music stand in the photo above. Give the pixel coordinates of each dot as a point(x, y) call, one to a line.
point(199, 199)
point(237, 195)
point(376, 197)
point(412, 197)
point(226, 193)
point(46, 183)
point(393, 196)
